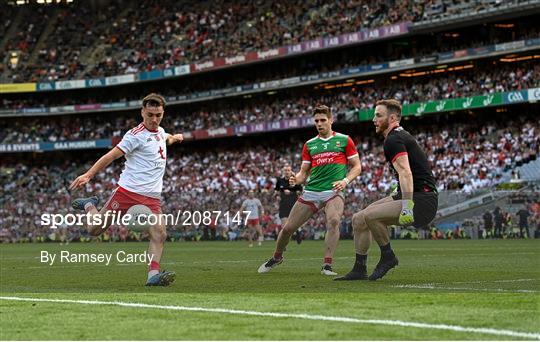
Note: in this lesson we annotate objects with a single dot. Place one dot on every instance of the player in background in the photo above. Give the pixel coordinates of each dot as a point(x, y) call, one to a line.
point(141, 181)
point(414, 203)
point(253, 225)
point(324, 170)
point(288, 194)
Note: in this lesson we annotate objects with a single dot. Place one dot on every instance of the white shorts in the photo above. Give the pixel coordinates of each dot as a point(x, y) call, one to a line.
point(318, 199)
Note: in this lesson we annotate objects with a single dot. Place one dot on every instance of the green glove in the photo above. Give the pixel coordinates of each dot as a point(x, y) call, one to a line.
point(406, 217)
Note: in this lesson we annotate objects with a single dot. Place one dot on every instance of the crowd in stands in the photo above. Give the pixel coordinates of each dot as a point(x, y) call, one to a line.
point(333, 61)
point(127, 37)
point(259, 109)
point(7, 19)
point(74, 34)
point(464, 156)
point(26, 34)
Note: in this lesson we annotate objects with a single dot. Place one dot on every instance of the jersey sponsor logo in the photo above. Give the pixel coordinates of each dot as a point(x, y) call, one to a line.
point(322, 161)
point(313, 148)
point(328, 158)
point(326, 154)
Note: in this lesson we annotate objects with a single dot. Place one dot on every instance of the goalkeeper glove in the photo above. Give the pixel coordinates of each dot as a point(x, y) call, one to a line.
point(406, 217)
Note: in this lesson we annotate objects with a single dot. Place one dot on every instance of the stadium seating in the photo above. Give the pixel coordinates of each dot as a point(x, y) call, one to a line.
point(212, 115)
point(167, 33)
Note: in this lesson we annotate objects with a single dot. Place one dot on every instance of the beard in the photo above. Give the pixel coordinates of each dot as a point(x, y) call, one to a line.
point(383, 126)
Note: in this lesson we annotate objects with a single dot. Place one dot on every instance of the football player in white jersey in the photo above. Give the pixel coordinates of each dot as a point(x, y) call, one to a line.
point(253, 224)
point(141, 181)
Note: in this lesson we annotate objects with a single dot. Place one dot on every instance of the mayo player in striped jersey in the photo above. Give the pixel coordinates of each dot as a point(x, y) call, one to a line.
point(141, 181)
point(324, 169)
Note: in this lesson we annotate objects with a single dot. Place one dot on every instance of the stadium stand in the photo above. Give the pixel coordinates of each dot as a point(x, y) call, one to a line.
point(468, 82)
point(176, 33)
point(471, 150)
point(421, 47)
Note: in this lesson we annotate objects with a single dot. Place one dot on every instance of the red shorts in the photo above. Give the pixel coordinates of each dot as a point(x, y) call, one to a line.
point(252, 222)
point(122, 199)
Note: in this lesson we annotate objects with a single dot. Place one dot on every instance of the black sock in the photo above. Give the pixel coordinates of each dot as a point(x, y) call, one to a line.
point(360, 263)
point(386, 251)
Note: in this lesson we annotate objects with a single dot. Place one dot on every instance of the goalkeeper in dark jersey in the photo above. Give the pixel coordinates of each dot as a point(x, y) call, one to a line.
point(414, 203)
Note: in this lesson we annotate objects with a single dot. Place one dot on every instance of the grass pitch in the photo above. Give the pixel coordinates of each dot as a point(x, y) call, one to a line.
point(441, 290)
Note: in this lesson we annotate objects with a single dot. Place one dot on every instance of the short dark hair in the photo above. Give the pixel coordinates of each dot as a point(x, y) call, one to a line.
point(153, 100)
point(322, 109)
point(393, 106)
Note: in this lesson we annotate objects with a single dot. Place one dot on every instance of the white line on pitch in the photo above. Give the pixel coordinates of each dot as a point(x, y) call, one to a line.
point(434, 287)
point(457, 328)
point(488, 281)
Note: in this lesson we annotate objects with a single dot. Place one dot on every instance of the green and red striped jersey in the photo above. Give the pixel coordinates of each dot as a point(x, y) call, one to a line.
point(328, 158)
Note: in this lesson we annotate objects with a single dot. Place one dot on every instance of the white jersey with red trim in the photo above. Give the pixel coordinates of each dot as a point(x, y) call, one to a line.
point(146, 157)
point(252, 205)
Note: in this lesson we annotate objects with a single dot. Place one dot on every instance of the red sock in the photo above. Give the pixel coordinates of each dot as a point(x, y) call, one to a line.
point(154, 265)
point(328, 260)
point(278, 256)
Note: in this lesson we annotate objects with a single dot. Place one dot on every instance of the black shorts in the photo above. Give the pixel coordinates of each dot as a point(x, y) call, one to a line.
point(425, 207)
point(285, 209)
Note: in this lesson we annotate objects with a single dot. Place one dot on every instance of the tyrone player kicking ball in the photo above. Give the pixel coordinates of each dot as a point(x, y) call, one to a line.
point(141, 181)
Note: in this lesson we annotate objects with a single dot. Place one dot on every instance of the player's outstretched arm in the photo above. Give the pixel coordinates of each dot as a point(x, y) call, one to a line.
point(102, 163)
point(174, 138)
point(302, 175)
